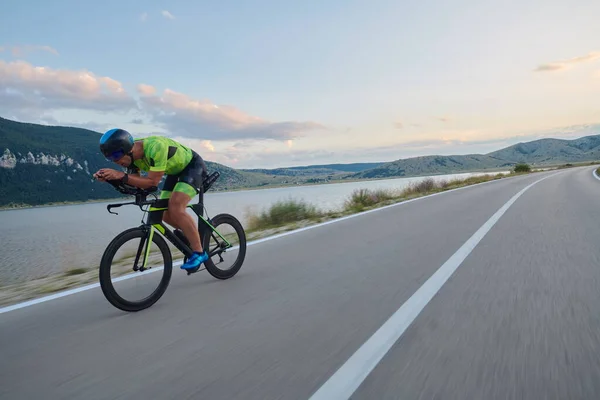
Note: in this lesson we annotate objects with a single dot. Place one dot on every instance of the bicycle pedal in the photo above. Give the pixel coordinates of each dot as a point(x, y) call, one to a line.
point(193, 270)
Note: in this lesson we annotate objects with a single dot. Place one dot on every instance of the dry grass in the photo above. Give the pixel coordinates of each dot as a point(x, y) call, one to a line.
point(282, 213)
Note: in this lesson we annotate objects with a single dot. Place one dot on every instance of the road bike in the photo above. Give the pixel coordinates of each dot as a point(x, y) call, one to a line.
point(154, 231)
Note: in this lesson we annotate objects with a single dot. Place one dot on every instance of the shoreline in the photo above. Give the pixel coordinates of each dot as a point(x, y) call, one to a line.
point(243, 189)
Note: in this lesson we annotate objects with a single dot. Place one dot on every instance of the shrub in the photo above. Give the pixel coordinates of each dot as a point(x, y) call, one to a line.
point(424, 186)
point(283, 212)
point(522, 168)
point(363, 198)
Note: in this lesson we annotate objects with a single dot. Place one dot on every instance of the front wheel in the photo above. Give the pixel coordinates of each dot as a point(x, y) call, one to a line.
point(227, 246)
point(133, 265)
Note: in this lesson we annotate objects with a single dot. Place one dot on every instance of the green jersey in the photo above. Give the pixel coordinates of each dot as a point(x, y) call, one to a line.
point(163, 154)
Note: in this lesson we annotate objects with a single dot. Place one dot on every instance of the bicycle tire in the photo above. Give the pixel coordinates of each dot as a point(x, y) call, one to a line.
point(209, 264)
point(105, 266)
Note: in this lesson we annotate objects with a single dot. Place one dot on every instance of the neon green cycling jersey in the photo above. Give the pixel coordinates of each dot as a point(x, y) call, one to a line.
point(163, 154)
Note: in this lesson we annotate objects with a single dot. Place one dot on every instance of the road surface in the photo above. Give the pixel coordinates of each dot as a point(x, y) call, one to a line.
point(353, 309)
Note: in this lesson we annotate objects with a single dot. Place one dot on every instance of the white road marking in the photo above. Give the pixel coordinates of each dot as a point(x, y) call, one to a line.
point(344, 382)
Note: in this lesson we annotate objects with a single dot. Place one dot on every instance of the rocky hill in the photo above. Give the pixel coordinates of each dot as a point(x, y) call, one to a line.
point(42, 164)
point(540, 153)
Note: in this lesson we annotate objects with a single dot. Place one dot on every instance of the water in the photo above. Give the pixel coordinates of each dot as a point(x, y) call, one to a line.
point(41, 241)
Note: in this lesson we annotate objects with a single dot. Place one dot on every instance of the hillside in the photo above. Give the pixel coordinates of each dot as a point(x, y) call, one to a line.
point(434, 165)
point(42, 164)
point(540, 153)
point(546, 151)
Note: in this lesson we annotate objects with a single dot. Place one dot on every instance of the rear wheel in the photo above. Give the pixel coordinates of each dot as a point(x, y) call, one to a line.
point(233, 254)
point(122, 269)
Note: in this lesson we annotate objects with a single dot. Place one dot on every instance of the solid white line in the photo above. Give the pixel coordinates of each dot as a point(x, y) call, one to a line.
point(47, 298)
point(133, 275)
point(594, 174)
point(344, 382)
point(76, 290)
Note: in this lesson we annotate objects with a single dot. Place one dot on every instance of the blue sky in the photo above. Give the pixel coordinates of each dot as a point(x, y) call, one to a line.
point(270, 83)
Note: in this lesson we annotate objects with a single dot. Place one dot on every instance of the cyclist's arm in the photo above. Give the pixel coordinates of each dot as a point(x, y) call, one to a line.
point(144, 182)
point(157, 155)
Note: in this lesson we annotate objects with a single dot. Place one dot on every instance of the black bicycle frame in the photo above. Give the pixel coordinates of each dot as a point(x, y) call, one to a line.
point(154, 220)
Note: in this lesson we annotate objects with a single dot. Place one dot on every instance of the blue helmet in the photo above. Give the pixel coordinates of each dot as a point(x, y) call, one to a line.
point(116, 143)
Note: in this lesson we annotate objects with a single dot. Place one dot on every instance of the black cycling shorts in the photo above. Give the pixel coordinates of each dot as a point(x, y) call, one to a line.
point(188, 181)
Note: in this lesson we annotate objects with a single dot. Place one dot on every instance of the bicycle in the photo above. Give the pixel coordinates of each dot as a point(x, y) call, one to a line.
point(153, 230)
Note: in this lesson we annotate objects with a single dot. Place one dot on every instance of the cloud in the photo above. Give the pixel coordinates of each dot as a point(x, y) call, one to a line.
point(28, 88)
point(270, 158)
point(190, 117)
point(565, 64)
point(398, 125)
point(20, 51)
point(144, 16)
point(167, 14)
point(146, 90)
point(27, 91)
point(200, 145)
point(443, 119)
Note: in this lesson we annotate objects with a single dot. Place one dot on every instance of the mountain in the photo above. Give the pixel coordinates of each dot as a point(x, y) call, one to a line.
point(432, 165)
point(548, 151)
point(541, 152)
point(42, 164)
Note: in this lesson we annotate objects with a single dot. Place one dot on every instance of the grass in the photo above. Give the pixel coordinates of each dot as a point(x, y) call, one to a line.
point(282, 213)
point(295, 213)
point(75, 271)
point(361, 199)
point(292, 213)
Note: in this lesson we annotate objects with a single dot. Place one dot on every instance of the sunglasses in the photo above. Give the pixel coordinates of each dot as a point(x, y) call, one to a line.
point(115, 155)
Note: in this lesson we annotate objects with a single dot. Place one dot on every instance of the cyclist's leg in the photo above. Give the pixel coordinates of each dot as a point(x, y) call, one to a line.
point(189, 185)
point(181, 196)
point(166, 193)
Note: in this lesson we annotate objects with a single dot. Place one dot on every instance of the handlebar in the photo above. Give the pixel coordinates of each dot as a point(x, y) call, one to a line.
point(141, 194)
point(131, 190)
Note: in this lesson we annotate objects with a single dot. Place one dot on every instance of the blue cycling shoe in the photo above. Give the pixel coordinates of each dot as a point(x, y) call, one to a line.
point(195, 260)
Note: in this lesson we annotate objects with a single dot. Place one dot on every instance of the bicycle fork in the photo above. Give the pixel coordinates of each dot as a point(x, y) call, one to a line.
point(149, 236)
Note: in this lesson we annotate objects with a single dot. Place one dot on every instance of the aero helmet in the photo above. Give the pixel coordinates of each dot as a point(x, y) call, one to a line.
point(116, 143)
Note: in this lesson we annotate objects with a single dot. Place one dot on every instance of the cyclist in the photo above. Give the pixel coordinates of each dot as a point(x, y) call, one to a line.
point(159, 156)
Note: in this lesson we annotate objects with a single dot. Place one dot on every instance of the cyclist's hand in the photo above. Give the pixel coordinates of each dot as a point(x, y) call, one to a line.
point(98, 176)
point(107, 174)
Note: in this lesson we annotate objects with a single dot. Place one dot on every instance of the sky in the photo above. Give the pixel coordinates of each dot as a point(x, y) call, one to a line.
point(268, 84)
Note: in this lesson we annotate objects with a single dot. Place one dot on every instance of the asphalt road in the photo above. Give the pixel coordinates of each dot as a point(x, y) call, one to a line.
point(518, 319)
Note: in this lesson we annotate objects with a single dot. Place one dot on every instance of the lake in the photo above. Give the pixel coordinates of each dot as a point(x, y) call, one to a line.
point(37, 242)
